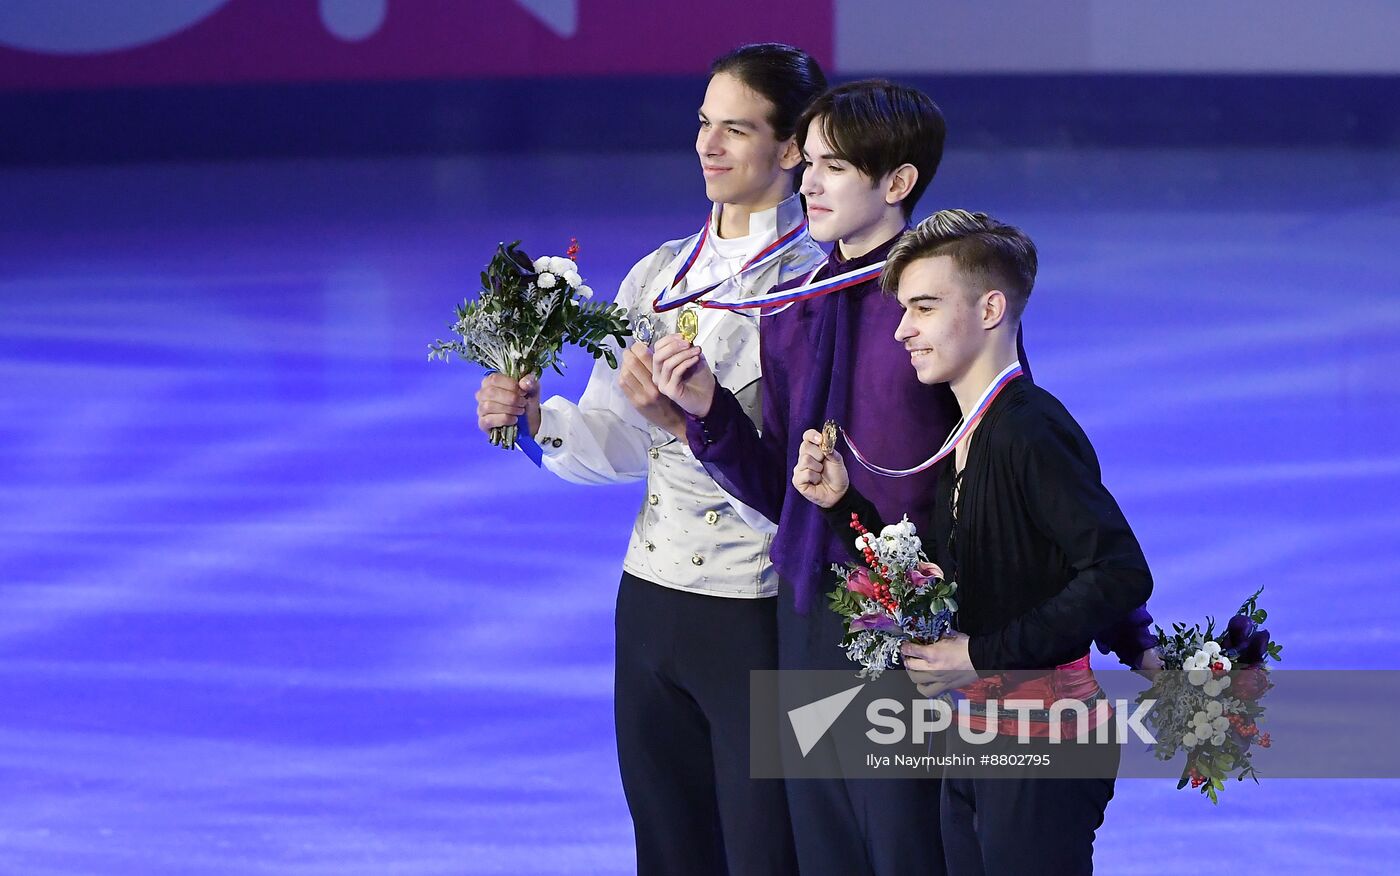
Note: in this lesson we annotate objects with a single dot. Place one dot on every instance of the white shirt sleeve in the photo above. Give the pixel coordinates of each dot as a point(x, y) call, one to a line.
point(597, 440)
point(602, 439)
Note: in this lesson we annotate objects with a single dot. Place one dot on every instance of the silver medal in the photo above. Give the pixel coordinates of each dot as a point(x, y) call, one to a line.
point(643, 330)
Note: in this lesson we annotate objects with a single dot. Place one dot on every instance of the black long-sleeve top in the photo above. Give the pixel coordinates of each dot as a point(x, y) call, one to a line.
point(1044, 559)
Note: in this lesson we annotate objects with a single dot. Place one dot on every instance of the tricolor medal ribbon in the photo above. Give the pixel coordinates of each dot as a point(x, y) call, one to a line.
point(1010, 373)
point(763, 257)
point(805, 292)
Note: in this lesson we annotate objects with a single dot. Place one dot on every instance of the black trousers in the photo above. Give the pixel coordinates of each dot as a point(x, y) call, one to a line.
point(1026, 825)
point(853, 827)
point(682, 711)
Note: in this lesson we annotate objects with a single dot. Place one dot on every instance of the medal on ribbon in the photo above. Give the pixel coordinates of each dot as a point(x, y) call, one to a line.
point(688, 323)
point(828, 437)
point(643, 330)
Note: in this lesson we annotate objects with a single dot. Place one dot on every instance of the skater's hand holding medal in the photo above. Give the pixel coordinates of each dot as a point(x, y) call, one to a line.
point(681, 373)
point(820, 474)
point(637, 384)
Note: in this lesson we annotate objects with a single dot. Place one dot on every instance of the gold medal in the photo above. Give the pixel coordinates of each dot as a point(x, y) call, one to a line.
point(828, 437)
point(688, 323)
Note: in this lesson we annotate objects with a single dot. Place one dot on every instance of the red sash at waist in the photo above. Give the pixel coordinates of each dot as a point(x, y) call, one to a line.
point(1044, 687)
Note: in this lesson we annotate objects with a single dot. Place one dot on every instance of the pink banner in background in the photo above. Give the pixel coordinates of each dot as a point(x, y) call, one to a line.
point(67, 44)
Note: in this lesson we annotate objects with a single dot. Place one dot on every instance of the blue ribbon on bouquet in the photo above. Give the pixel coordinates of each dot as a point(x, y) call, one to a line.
point(524, 441)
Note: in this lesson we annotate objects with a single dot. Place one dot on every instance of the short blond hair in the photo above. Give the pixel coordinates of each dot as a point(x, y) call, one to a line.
point(993, 254)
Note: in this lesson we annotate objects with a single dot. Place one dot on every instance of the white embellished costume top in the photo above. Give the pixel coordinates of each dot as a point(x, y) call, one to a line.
point(689, 534)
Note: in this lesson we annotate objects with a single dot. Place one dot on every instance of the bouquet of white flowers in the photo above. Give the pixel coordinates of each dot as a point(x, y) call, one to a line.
point(1209, 702)
point(525, 314)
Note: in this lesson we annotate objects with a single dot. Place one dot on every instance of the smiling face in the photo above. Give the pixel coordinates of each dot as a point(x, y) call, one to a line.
point(942, 327)
point(743, 160)
point(842, 202)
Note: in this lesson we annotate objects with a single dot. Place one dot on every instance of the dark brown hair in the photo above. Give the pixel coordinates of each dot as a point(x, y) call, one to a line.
point(878, 126)
point(784, 75)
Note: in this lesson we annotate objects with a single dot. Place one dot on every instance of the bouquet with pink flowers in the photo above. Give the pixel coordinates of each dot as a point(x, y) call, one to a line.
point(896, 596)
point(1210, 706)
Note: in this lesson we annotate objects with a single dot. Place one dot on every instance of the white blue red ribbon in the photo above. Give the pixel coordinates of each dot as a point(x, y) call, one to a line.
point(804, 292)
point(965, 425)
point(769, 253)
point(689, 262)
